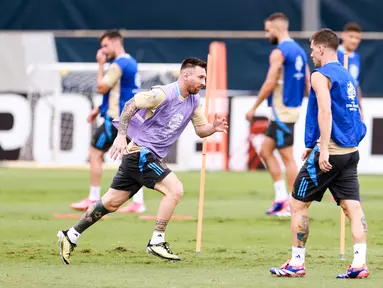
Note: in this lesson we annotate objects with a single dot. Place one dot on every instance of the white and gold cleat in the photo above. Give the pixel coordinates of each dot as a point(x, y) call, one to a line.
point(162, 250)
point(66, 247)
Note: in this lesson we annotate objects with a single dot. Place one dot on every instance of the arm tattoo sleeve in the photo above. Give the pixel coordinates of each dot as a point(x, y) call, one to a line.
point(126, 115)
point(161, 225)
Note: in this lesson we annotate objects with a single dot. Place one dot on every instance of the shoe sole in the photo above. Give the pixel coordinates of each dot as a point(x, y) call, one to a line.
point(285, 214)
point(273, 212)
point(150, 251)
point(290, 275)
point(61, 236)
point(362, 275)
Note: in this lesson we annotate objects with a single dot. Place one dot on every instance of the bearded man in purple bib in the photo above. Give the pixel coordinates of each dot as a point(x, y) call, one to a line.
point(164, 112)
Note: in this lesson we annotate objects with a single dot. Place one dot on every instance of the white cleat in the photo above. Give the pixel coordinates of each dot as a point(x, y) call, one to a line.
point(162, 250)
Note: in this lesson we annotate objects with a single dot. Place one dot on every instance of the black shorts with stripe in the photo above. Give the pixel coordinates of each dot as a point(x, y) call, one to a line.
point(104, 136)
point(342, 180)
point(137, 170)
point(282, 133)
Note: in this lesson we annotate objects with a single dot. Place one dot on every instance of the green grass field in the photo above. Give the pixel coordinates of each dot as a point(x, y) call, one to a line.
point(240, 243)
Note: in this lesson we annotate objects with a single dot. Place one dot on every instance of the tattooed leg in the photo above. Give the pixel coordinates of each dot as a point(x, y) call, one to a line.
point(303, 231)
point(94, 213)
point(172, 190)
point(358, 221)
point(299, 231)
point(299, 223)
point(161, 225)
point(354, 212)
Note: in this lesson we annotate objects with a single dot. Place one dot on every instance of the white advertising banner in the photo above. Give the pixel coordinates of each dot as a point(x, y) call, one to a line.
point(32, 127)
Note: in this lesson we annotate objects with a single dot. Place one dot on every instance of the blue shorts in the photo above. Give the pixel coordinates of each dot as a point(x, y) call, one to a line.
point(281, 133)
point(104, 136)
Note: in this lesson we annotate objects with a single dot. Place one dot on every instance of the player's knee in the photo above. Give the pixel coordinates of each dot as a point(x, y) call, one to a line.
point(287, 157)
point(178, 191)
point(95, 155)
point(296, 205)
point(265, 152)
point(288, 160)
point(111, 201)
point(110, 205)
point(350, 206)
point(92, 157)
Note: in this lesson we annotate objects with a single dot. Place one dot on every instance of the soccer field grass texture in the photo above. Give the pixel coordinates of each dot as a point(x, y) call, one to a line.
point(239, 242)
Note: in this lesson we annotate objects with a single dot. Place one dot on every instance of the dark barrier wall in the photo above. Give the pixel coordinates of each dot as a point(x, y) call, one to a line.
point(247, 60)
point(145, 14)
point(183, 15)
point(335, 13)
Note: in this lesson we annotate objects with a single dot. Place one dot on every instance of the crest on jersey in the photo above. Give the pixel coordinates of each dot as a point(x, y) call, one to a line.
point(299, 63)
point(298, 66)
point(173, 126)
point(351, 92)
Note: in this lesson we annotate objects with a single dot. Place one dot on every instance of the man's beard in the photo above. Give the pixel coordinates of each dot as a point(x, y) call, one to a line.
point(273, 40)
point(193, 90)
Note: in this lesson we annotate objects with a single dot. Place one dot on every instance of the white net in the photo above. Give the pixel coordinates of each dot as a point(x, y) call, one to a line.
point(61, 95)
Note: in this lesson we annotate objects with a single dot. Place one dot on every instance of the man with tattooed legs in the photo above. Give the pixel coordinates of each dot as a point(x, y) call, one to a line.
point(333, 132)
point(165, 111)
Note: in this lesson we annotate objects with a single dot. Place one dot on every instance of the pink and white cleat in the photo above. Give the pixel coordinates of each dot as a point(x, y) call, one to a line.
point(82, 205)
point(133, 207)
point(355, 273)
point(284, 211)
point(277, 206)
point(287, 270)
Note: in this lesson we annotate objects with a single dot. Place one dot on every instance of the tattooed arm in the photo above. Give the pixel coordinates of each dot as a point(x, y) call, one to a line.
point(143, 100)
point(126, 115)
point(120, 144)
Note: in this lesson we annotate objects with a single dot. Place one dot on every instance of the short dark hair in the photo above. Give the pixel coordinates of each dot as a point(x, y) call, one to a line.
point(193, 62)
point(112, 34)
point(277, 16)
point(352, 26)
point(326, 37)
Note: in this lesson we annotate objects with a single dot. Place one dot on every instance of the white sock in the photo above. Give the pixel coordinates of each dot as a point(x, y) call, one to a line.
point(298, 256)
point(94, 193)
point(157, 237)
point(73, 235)
point(139, 196)
point(280, 191)
point(360, 251)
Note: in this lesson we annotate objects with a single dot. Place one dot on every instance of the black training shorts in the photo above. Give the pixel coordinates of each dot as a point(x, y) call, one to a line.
point(137, 170)
point(342, 180)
